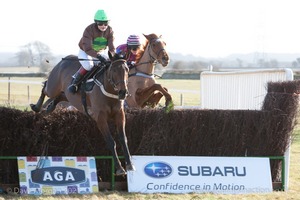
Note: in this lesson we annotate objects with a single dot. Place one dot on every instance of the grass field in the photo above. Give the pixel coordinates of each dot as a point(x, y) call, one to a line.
point(23, 91)
point(21, 94)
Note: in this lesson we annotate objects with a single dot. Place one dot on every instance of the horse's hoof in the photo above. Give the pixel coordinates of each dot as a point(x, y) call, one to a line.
point(130, 167)
point(120, 172)
point(169, 106)
point(34, 108)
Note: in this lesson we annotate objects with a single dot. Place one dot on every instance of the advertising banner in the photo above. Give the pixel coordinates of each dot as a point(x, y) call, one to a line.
point(181, 174)
point(57, 175)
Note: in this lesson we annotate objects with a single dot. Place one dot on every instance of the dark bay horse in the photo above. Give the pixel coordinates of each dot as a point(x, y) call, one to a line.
point(143, 88)
point(104, 102)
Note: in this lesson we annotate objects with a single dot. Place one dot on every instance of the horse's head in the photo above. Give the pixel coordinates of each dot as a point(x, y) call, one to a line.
point(157, 49)
point(118, 75)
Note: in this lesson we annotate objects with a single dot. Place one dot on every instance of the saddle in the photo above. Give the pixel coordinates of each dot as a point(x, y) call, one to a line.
point(87, 83)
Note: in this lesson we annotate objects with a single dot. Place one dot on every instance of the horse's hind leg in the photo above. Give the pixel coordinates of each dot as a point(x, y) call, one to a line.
point(37, 107)
point(52, 105)
point(45, 105)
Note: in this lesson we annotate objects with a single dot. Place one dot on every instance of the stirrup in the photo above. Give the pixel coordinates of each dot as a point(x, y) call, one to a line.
point(73, 88)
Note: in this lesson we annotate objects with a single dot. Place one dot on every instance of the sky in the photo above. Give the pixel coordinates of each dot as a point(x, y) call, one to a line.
point(206, 28)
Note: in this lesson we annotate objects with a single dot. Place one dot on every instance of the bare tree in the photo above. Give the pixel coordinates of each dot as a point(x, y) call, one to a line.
point(35, 54)
point(24, 58)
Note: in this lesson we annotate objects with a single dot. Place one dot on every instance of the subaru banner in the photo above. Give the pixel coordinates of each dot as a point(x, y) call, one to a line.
point(180, 174)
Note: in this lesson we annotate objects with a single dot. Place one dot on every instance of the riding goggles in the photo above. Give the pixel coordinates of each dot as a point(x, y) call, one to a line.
point(134, 48)
point(102, 23)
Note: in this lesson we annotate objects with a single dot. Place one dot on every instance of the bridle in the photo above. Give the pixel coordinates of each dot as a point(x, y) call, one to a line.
point(111, 80)
point(152, 60)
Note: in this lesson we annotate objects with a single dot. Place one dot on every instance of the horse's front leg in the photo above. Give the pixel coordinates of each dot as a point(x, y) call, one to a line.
point(110, 143)
point(120, 124)
point(153, 100)
point(142, 95)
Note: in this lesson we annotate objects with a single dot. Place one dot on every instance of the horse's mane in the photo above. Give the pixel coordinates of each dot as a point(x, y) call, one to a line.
point(142, 49)
point(141, 52)
point(117, 56)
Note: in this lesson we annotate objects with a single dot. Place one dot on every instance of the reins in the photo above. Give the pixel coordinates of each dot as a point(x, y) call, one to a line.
point(157, 54)
point(110, 81)
point(152, 60)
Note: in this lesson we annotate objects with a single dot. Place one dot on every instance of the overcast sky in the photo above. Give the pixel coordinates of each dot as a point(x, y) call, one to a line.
point(208, 28)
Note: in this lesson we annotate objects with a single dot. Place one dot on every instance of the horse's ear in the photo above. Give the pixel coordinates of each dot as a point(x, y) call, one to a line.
point(146, 36)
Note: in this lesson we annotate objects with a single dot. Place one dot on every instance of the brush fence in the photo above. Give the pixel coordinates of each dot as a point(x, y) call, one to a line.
point(241, 90)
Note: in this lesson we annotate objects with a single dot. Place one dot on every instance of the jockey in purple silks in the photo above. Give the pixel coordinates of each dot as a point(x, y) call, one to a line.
point(129, 50)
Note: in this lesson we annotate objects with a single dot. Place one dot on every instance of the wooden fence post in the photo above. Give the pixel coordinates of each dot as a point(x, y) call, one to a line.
point(8, 92)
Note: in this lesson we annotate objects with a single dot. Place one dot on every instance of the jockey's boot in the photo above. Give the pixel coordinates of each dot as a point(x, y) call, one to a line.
point(77, 78)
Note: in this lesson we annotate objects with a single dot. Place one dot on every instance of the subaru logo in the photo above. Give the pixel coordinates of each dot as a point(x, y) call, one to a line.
point(158, 170)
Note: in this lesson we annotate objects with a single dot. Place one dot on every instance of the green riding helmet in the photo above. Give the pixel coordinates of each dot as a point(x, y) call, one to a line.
point(101, 16)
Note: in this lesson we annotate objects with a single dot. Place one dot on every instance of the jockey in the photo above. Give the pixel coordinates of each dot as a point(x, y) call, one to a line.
point(96, 38)
point(129, 50)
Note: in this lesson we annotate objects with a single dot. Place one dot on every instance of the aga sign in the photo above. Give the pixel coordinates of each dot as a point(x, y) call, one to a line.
point(57, 175)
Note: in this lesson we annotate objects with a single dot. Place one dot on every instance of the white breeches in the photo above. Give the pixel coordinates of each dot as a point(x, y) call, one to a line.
point(87, 61)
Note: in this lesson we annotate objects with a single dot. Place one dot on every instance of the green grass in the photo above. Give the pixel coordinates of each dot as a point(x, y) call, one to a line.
point(184, 92)
point(20, 94)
